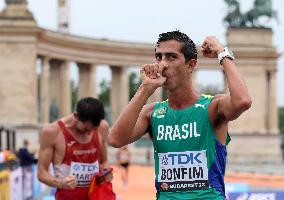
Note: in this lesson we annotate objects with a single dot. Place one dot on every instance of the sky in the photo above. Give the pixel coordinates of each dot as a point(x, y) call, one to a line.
point(142, 21)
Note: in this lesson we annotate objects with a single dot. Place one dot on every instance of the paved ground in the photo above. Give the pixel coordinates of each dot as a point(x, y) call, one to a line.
point(141, 182)
point(264, 168)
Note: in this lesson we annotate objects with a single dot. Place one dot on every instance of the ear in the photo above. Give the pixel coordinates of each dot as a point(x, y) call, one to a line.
point(75, 115)
point(191, 65)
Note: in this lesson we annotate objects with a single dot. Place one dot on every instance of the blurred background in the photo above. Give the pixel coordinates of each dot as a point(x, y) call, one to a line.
point(54, 52)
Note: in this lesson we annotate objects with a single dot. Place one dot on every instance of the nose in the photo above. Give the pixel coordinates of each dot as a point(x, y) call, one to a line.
point(164, 64)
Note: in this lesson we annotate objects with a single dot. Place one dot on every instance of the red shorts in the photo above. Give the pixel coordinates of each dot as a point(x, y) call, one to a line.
point(81, 193)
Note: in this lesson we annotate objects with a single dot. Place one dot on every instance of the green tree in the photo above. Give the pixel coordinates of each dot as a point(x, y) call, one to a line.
point(134, 83)
point(104, 95)
point(281, 119)
point(53, 111)
point(74, 95)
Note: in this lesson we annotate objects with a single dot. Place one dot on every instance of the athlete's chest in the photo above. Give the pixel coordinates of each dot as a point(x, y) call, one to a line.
point(73, 149)
point(179, 126)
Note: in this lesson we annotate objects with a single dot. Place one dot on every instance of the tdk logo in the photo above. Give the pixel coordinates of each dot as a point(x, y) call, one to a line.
point(181, 159)
point(85, 167)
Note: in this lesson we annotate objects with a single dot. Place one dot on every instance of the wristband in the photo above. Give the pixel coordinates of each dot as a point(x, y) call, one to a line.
point(61, 184)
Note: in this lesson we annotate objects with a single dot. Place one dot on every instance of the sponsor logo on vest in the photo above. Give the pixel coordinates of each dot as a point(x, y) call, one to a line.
point(183, 171)
point(84, 172)
point(160, 113)
point(164, 186)
point(181, 158)
point(81, 152)
point(198, 105)
point(176, 132)
point(69, 144)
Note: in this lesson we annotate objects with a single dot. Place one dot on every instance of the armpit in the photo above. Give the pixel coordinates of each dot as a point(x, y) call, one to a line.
point(219, 120)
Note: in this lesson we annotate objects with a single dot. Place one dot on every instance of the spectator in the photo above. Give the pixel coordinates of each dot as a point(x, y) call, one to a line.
point(26, 158)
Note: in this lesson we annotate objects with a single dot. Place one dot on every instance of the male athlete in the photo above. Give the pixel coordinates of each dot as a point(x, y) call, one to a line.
point(190, 130)
point(76, 146)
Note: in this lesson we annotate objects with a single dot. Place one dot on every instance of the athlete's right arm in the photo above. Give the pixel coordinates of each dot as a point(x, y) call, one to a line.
point(46, 152)
point(132, 122)
point(48, 139)
point(135, 118)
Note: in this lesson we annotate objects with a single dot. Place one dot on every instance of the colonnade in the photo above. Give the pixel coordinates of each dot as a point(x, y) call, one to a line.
point(55, 86)
point(22, 43)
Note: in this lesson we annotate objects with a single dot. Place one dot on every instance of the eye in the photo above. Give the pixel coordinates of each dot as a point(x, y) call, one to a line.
point(172, 56)
point(158, 57)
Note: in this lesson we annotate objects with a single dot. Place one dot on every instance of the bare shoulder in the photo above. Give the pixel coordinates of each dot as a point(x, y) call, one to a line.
point(103, 129)
point(104, 124)
point(49, 133)
point(219, 96)
point(50, 129)
point(147, 110)
point(216, 100)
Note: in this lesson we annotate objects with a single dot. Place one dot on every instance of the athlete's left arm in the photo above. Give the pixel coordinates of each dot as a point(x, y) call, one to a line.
point(238, 100)
point(226, 108)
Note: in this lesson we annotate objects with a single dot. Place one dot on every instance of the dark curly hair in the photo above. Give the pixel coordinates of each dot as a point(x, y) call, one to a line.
point(90, 109)
point(188, 47)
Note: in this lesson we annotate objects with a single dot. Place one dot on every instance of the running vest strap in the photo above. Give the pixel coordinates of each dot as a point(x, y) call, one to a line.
point(81, 160)
point(75, 151)
point(187, 163)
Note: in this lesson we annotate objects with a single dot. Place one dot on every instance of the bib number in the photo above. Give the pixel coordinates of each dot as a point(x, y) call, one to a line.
point(84, 172)
point(183, 171)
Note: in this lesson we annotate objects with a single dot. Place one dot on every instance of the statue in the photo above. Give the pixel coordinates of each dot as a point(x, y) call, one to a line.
point(234, 18)
point(9, 2)
point(261, 8)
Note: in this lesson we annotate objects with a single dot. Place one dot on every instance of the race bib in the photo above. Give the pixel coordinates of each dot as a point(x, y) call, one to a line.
point(84, 172)
point(183, 171)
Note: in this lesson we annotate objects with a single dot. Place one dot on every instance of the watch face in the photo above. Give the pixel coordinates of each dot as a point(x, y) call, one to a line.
point(225, 53)
point(229, 53)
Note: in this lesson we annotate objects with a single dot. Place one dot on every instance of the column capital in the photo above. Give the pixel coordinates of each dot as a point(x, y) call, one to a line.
point(43, 57)
point(80, 64)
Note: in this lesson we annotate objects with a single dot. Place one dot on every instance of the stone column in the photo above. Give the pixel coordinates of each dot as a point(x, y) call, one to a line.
point(55, 88)
point(44, 90)
point(255, 55)
point(87, 80)
point(60, 87)
point(18, 54)
point(272, 104)
point(256, 115)
point(119, 90)
point(65, 81)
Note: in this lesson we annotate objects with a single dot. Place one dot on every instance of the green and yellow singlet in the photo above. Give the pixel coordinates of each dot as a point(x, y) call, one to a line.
point(189, 160)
